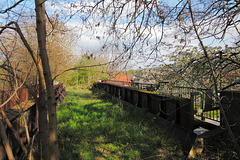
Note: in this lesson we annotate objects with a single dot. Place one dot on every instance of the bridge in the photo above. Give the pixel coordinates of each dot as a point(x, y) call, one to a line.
point(181, 111)
point(206, 113)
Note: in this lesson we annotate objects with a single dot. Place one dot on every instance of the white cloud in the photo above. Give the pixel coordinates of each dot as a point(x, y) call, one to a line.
point(87, 42)
point(52, 6)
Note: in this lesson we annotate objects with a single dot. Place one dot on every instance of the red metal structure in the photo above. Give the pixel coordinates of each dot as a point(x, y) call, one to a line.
point(121, 80)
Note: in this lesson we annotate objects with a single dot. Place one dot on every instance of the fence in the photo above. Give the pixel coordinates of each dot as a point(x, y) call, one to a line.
point(202, 99)
point(175, 110)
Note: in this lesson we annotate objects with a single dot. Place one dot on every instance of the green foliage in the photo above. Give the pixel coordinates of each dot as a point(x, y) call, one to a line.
point(78, 77)
point(91, 128)
point(89, 70)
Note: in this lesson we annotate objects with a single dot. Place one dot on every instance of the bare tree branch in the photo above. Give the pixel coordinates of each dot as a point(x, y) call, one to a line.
point(13, 6)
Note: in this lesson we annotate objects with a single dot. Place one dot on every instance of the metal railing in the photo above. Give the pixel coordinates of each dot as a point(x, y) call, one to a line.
point(202, 100)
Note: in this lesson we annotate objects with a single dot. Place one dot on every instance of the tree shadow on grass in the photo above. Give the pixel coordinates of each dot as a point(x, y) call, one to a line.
point(95, 130)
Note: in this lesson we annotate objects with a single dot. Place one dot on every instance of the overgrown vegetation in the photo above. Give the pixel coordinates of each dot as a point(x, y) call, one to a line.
point(88, 69)
point(91, 128)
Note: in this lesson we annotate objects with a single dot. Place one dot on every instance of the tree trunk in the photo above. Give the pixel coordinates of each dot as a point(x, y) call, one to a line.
point(51, 101)
point(43, 123)
point(41, 102)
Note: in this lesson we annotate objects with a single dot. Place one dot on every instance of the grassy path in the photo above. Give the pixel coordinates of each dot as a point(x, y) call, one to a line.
point(91, 128)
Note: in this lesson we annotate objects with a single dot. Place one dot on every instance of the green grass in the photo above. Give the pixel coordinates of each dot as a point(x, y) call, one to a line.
point(92, 128)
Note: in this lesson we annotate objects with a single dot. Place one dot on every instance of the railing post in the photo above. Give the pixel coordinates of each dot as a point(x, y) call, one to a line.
point(192, 97)
point(202, 106)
